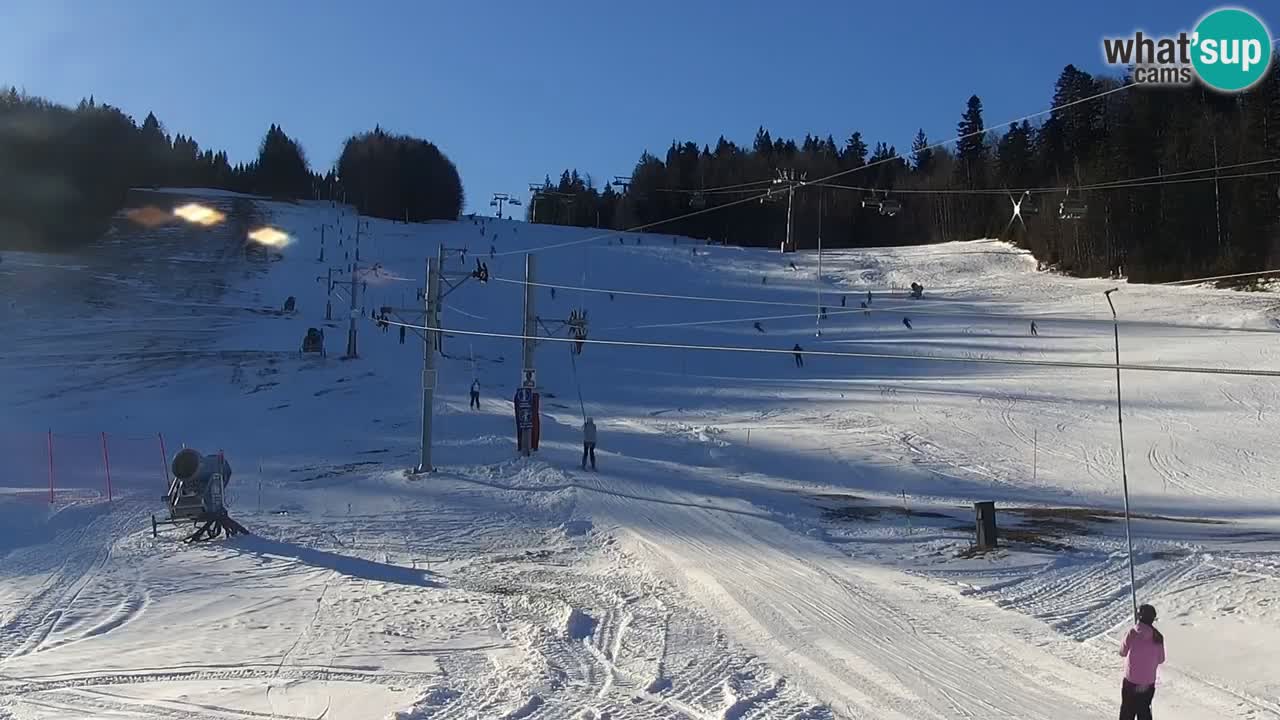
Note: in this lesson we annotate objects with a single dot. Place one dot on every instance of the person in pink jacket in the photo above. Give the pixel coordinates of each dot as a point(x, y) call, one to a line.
point(1143, 651)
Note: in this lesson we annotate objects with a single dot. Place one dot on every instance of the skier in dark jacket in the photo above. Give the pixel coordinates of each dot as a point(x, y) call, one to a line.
point(589, 443)
point(907, 321)
point(475, 394)
point(799, 357)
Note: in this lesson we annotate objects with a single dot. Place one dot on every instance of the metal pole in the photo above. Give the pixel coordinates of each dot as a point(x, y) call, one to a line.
point(328, 296)
point(322, 243)
point(435, 318)
point(429, 364)
point(1217, 207)
point(1124, 475)
point(355, 286)
point(817, 323)
point(530, 329)
point(791, 191)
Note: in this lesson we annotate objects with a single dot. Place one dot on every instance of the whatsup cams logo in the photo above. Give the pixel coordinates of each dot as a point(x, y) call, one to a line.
point(1229, 51)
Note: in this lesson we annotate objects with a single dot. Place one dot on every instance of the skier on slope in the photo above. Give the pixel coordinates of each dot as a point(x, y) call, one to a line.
point(589, 443)
point(1143, 651)
point(799, 356)
point(1034, 330)
point(907, 321)
point(475, 394)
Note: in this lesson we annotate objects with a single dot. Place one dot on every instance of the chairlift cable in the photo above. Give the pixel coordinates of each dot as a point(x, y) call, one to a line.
point(1194, 281)
point(1111, 367)
point(914, 305)
point(841, 173)
point(637, 228)
point(1147, 181)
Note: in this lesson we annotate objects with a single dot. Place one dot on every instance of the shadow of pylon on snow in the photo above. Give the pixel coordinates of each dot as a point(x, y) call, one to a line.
point(342, 564)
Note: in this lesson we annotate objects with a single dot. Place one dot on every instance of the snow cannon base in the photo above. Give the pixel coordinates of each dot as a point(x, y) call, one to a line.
point(196, 495)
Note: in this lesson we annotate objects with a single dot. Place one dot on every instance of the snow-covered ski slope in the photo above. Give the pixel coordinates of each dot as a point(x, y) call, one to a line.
point(760, 540)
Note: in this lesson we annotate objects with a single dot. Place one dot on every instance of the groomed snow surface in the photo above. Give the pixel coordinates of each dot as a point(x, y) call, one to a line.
point(760, 540)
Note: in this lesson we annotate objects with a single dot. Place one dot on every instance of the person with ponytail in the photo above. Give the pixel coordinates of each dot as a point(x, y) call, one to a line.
point(1143, 651)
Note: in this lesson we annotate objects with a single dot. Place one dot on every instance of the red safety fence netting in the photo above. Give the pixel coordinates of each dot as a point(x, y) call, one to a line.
point(103, 463)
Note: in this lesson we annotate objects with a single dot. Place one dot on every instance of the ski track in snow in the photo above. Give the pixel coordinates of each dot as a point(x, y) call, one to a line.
point(706, 572)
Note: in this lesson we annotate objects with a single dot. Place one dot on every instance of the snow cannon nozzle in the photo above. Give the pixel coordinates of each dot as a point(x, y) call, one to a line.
point(1108, 292)
point(192, 466)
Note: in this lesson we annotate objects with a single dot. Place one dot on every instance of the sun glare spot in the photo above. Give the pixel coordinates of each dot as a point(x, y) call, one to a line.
point(149, 216)
point(270, 237)
point(199, 214)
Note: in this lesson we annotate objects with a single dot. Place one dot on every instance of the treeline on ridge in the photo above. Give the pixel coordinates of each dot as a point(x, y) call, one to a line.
point(1172, 224)
point(67, 171)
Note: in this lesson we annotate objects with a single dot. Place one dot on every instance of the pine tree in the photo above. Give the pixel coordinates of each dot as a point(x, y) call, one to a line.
point(971, 147)
point(921, 154)
point(282, 167)
point(855, 151)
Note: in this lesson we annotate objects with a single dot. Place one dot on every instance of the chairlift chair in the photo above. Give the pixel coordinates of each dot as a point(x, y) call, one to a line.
point(872, 203)
point(1072, 209)
point(890, 207)
point(1028, 206)
point(698, 201)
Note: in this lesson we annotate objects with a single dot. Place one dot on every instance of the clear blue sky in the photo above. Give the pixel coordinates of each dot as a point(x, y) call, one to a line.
point(515, 90)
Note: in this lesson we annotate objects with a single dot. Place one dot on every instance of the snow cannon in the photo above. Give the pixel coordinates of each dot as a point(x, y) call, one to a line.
point(197, 494)
point(196, 470)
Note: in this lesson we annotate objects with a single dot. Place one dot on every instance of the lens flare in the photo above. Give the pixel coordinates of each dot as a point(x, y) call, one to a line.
point(270, 237)
point(199, 214)
point(149, 216)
